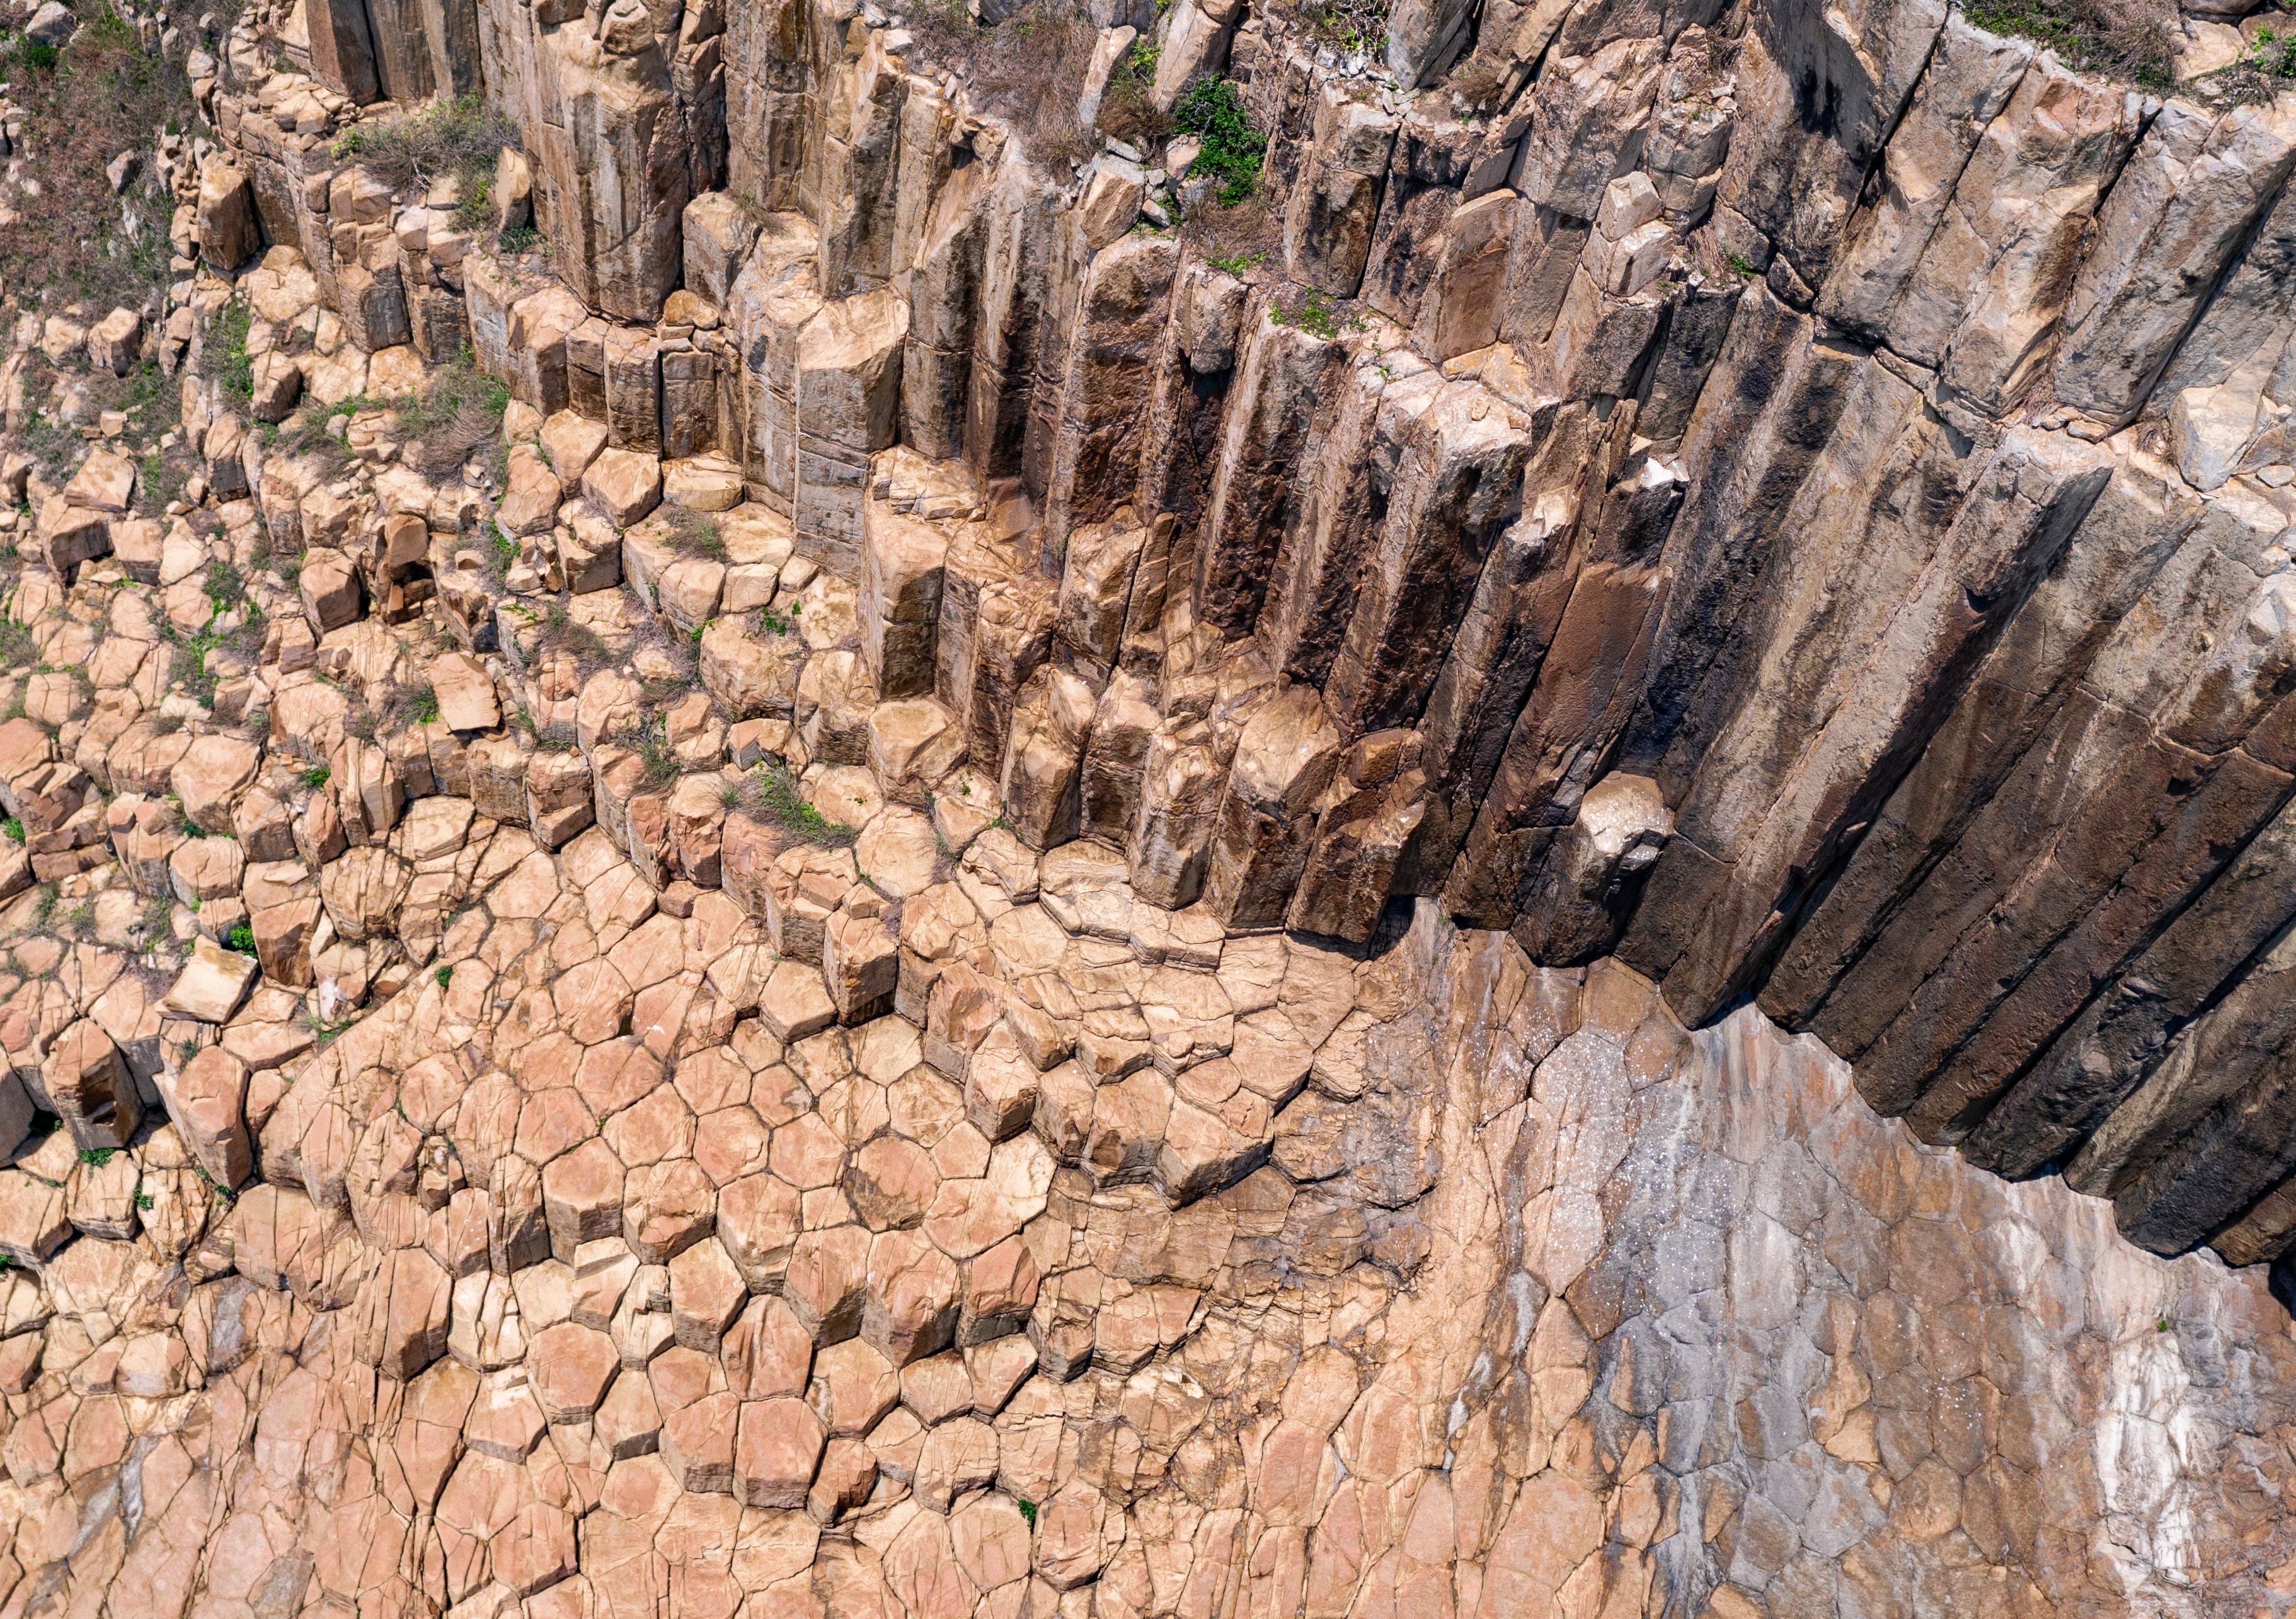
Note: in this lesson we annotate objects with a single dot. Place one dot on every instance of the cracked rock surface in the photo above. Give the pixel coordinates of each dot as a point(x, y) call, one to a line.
point(848, 855)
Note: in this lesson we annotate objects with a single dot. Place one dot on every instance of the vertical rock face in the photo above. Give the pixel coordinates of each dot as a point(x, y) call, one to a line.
point(1553, 875)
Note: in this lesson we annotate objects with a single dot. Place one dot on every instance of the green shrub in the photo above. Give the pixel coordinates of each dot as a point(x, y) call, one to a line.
point(1212, 110)
point(224, 587)
point(242, 938)
point(472, 208)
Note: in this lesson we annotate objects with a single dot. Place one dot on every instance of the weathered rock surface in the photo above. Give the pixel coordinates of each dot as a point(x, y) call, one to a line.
point(1034, 913)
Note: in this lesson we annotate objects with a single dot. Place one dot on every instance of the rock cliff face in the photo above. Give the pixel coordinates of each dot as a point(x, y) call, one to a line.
point(855, 855)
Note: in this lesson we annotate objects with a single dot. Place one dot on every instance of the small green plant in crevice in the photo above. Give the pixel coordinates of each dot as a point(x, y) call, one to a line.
point(1127, 103)
point(519, 239)
point(1029, 1513)
point(775, 622)
point(325, 1030)
point(658, 758)
point(241, 938)
point(421, 703)
point(771, 790)
point(1236, 263)
point(144, 1200)
point(474, 206)
point(1212, 110)
point(96, 1157)
point(190, 663)
point(446, 977)
point(1739, 266)
point(224, 346)
point(1353, 27)
point(567, 635)
point(314, 777)
point(2274, 53)
point(1315, 314)
point(17, 645)
point(159, 480)
point(14, 827)
point(224, 587)
point(2260, 77)
point(304, 433)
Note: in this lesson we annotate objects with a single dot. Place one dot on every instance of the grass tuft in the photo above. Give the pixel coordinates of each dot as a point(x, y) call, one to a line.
point(695, 534)
point(771, 790)
point(2132, 40)
point(1028, 70)
point(458, 416)
point(223, 349)
point(414, 149)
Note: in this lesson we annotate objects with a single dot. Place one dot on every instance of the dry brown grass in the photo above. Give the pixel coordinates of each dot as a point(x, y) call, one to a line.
point(458, 417)
point(409, 152)
point(1239, 239)
point(97, 97)
point(1028, 69)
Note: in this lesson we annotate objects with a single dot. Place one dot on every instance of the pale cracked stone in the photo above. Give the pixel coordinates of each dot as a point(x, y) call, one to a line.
point(574, 1368)
point(758, 1225)
point(626, 484)
point(213, 984)
point(777, 1447)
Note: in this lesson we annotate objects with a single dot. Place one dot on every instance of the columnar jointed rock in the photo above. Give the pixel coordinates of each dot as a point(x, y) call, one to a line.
point(880, 1037)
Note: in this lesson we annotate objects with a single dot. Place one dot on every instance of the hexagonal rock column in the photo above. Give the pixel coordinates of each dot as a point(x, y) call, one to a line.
point(213, 984)
point(89, 1082)
point(207, 1098)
